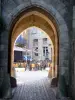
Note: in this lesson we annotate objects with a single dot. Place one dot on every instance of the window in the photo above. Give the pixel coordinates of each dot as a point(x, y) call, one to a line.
point(36, 49)
point(36, 54)
point(35, 42)
point(27, 53)
point(45, 52)
point(33, 33)
point(44, 40)
point(49, 44)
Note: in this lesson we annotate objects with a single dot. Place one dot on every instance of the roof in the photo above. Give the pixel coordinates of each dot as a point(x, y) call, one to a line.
point(20, 49)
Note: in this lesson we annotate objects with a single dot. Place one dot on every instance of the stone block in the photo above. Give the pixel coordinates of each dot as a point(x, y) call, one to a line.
point(73, 33)
point(73, 23)
point(18, 9)
point(45, 5)
point(73, 14)
point(1, 76)
point(4, 57)
point(64, 55)
point(62, 11)
point(64, 35)
point(4, 37)
point(60, 21)
point(21, 7)
point(51, 10)
point(63, 86)
point(63, 28)
point(18, 2)
point(68, 16)
point(64, 45)
point(64, 64)
point(4, 61)
point(65, 98)
point(2, 47)
point(58, 5)
point(6, 88)
point(7, 21)
point(48, 1)
point(8, 6)
point(73, 8)
point(40, 3)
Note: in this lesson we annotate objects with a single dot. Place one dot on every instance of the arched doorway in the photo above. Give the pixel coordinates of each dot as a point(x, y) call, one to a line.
point(36, 17)
point(36, 48)
point(54, 25)
point(54, 10)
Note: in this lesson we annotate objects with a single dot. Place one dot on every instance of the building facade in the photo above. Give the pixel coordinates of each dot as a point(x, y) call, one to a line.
point(40, 44)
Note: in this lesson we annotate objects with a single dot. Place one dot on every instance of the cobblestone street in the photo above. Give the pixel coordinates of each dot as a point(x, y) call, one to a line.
point(34, 85)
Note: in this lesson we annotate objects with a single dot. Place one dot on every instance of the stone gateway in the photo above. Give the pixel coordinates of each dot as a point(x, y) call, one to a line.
point(57, 19)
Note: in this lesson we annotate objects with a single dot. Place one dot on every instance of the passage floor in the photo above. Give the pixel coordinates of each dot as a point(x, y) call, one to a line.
point(33, 85)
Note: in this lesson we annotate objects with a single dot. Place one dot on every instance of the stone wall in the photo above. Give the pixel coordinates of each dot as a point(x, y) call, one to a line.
point(62, 13)
point(73, 58)
point(0, 7)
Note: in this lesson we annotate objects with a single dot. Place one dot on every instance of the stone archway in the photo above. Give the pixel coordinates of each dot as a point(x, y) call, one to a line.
point(60, 27)
point(51, 24)
point(56, 11)
point(38, 19)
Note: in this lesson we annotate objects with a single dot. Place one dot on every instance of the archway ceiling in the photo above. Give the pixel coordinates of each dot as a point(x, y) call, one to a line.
point(34, 19)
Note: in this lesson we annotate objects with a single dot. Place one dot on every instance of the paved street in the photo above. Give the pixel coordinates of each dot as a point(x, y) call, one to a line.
point(34, 85)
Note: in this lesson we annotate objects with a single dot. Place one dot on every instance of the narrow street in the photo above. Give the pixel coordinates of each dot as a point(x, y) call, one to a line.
point(33, 85)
